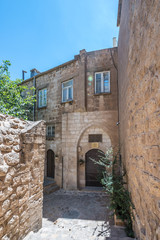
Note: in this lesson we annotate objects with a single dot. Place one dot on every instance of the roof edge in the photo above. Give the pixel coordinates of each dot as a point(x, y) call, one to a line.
point(50, 70)
point(64, 64)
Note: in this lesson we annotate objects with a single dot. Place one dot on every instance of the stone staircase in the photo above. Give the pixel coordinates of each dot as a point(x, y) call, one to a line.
point(118, 233)
point(49, 185)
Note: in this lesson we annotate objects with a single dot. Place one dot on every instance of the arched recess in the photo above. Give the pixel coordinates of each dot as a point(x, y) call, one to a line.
point(93, 171)
point(84, 146)
point(50, 163)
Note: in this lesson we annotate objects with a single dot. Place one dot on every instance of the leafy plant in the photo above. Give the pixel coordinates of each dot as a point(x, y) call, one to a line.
point(114, 184)
point(15, 99)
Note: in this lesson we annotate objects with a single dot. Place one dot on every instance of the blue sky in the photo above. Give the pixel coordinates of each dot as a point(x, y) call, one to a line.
point(45, 33)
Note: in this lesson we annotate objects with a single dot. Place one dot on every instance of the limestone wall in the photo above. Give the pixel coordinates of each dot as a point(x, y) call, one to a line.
point(99, 61)
point(84, 146)
point(75, 130)
point(139, 107)
point(82, 70)
point(22, 153)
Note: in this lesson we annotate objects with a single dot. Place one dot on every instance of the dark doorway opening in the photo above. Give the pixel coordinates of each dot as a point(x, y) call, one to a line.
point(50, 163)
point(94, 171)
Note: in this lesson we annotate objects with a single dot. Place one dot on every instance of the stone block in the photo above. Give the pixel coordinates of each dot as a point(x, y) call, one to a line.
point(3, 170)
point(4, 206)
point(5, 148)
point(12, 159)
point(5, 193)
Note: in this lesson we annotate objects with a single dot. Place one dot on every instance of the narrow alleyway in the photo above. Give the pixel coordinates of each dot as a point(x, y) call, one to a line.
point(77, 216)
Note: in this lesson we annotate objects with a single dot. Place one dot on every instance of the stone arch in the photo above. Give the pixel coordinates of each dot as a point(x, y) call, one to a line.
point(103, 125)
point(83, 146)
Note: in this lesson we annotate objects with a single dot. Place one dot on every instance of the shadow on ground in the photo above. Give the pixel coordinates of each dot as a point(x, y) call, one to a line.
point(76, 205)
point(77, 215)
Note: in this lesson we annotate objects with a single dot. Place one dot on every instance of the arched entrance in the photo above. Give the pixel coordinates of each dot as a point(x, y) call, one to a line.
point(50, 163)
point(93, 171)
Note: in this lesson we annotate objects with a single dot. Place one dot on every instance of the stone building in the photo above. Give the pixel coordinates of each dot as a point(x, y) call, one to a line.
point(78, 101)
point(139, 110)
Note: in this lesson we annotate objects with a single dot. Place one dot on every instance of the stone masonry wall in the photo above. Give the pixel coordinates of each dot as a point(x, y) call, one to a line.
point(82, 70)
point(99, 61)
point(22, 154)
point(74, 127)
point(84, 146)
point(139, 107)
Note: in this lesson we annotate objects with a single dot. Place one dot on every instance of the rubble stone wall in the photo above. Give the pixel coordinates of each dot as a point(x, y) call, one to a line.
point(139, 107)
point(22, 154)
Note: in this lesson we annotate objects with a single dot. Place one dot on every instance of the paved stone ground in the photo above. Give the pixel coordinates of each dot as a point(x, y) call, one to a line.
point(76, 215)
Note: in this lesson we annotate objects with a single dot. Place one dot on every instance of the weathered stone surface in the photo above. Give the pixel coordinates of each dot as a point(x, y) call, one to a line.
point(17, 186)
point(139, 106)
point(3, 170)
point(8, 140)
point(8, 178)
point(79, 216)
point(17, 181)
point(17, 148)
point(5, 206)
point(5, 193)
point(13, 222)
point(74, 136)
point(1, 231)
point(21, 190)
point(5, 148)
point(12, 158)
point(87, 106)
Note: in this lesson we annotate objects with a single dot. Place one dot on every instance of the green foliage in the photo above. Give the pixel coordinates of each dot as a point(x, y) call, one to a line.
point(15, 99)
point(113, 182)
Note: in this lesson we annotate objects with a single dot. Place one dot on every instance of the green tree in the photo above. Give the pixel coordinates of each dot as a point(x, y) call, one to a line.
point(15, 99)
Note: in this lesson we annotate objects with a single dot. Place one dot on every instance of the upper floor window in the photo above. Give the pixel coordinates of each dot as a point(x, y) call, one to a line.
point(50, 131)
point(67, 91)
point(42, 97)
point(102, 82)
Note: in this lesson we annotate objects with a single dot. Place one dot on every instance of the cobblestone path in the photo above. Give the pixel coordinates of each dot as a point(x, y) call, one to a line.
point(75, 215)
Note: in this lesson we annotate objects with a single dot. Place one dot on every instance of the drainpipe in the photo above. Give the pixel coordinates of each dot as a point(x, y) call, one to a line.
point(34, 93)
point(85, 80)
point(116, 67)
point(62, 172)
point(114, 64)
point(83, 58)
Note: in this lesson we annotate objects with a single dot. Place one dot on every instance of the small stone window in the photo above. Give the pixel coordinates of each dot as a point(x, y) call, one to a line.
point(67, 91)
point(50, 131)
point(42, 98)
point(95, 137)
point(102, 82)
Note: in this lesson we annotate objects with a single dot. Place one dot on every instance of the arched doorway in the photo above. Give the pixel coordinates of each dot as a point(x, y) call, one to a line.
point(93, 171)
point(50, 163)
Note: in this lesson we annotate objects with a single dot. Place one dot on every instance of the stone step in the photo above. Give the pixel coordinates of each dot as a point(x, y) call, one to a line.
point(48, 181)
point(118, 233)
point(50, 189)
point(49, 185)
point(119, 238)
